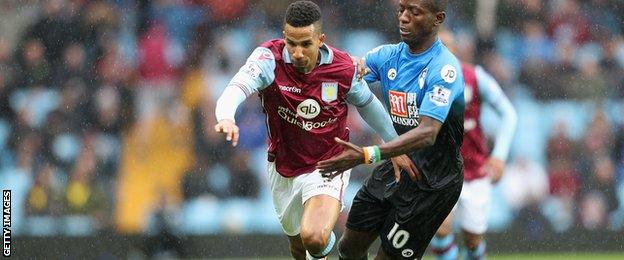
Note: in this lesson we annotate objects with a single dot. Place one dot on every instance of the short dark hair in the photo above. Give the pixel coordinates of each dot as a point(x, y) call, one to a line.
point(437, 5)
point(302, 13)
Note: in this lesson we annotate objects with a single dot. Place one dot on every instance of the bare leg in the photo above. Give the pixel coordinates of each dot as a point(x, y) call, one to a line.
point(320, 214)
point(443, 243)
point(354, 244)
point(471, 240)
point(296, 247)
point(474, 245)
point(447, 226)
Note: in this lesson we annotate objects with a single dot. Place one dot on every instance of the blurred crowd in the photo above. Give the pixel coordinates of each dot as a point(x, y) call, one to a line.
point(107, 108)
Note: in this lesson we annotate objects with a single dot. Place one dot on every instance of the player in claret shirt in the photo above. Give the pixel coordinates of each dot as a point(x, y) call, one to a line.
point(423, 87)
point(304, 85)
point(481, 168)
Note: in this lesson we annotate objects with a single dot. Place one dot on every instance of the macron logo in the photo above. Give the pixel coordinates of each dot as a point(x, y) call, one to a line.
point(290, 89)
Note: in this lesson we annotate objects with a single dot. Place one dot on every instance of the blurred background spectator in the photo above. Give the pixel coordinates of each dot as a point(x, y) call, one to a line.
point(107, 108)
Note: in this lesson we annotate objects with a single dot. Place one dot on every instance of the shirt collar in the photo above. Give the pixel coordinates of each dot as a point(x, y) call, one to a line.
point(327, 55)
point(433, 47)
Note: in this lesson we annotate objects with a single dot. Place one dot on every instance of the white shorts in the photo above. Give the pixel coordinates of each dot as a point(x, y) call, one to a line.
point(473, 206)
point(289, 194)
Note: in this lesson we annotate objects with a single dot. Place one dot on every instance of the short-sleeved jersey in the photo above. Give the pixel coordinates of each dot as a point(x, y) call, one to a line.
point(426, 84)
point(304, 111)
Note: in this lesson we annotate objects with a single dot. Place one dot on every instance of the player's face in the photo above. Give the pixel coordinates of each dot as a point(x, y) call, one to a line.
point(417, 22)
point(303, 45)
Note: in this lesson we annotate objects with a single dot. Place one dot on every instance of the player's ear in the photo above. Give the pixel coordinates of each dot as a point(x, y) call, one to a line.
point(440, 17)
point(321, 39)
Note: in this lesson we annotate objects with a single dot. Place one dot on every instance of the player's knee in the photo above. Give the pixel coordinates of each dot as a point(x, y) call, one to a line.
point(313, 240)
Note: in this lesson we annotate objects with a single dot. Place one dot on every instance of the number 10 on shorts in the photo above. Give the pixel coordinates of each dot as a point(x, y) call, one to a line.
point(398, 238)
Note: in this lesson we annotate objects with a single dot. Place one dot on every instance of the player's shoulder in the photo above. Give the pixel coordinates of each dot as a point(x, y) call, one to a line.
point(338, 55)
point(385, 51)
point(339, 63)
point(270, 49)
point(446, 66)
point(444, 57)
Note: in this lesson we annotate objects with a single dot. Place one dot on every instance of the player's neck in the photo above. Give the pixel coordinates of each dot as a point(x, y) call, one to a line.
point(306, 70)
point(420, 47)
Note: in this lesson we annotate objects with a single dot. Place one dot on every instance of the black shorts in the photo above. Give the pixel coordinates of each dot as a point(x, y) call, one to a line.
point(405, 216)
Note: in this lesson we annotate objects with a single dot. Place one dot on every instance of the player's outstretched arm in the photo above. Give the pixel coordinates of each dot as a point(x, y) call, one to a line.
point(354, 155)
point(351, 156)
point(375, 116)
point(420, 137)
point(373, 112)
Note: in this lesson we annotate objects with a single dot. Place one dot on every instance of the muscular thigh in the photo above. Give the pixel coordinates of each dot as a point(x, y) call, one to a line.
point(291, 196)
point(322, 200)
point(320, 213)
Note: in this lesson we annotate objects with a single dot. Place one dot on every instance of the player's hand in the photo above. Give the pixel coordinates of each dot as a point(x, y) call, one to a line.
point(360, 67)
point(405, 163)
point(494, 167)
point(352, 156)
point(230, 129)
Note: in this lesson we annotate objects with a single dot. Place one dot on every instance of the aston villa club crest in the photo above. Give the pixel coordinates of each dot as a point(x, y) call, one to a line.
point(329, 91)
